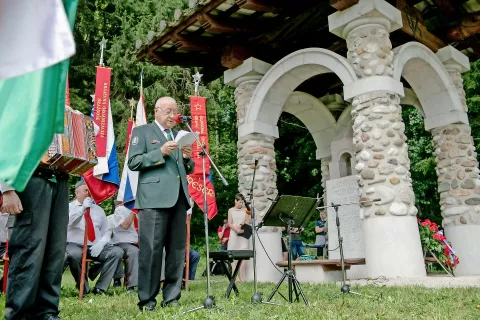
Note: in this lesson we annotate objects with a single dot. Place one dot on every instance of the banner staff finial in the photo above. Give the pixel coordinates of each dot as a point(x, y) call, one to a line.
point(197, 77)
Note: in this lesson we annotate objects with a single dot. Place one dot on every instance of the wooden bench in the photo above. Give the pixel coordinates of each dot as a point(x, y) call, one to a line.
point(318, 271)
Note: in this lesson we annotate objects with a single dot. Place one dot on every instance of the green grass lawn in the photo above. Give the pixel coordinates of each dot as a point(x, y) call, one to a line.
point(396, 303)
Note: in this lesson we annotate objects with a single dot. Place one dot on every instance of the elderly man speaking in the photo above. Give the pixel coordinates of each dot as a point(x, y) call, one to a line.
point(162, 197)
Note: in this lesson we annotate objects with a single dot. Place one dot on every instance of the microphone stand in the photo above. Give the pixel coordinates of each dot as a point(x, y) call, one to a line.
point(257, 296)
point(209, 302)
point(345, 288)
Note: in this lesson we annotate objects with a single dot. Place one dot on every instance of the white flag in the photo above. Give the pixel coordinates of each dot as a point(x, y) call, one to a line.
point(33, 35)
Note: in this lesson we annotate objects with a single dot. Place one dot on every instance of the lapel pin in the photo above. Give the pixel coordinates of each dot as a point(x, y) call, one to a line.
point(154, 141)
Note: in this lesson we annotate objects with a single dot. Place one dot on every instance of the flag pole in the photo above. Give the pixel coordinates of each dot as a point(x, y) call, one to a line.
point(187, 253)
point(84, 260)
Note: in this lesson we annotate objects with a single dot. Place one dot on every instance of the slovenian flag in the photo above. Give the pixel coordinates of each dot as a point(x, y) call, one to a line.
point(103, 179)
point(129, 182)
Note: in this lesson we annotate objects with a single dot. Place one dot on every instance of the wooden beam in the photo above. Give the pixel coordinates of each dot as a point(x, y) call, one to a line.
point(341, 5)
point(189, 43)
point(447, 9)
point(216, 25)
point(234, 55)
point(185, 24)
point(466, 28)
point(420, 33)
point(407, 6)
point(169, 59)
point(260, 5)
point(190, 46)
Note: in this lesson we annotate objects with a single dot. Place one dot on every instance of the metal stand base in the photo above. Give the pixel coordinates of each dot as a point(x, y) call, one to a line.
point(345, 289)
point(208, 303)
point(257, 298)
point(293, 285)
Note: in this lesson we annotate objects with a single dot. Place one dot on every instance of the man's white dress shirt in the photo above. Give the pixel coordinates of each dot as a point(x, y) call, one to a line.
point(121, 235)
point(76, 224)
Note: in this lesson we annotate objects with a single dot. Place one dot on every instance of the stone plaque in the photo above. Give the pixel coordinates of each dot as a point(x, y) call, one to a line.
point(340, 191)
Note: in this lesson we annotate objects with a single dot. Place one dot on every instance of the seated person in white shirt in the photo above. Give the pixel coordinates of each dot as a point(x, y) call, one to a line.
point(99, 249)
point(125, 236)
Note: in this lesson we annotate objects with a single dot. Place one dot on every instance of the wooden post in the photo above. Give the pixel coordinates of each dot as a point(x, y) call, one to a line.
point(187, 252)
point(84, 260)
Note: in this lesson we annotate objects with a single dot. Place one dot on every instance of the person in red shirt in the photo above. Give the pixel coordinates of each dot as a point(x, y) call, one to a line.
point(224, 233)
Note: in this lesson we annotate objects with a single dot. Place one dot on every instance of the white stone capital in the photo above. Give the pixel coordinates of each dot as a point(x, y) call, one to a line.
point(366, 12)
point(373, 84)
point(250, 69)
point(324, 153)
point(257, 127)
point(453, 59)
point(443, 119)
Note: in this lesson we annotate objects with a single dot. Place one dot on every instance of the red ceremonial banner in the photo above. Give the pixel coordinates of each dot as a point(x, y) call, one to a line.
point(100, 117)
point(195, 188)
point(195, 180)
point(199, 124)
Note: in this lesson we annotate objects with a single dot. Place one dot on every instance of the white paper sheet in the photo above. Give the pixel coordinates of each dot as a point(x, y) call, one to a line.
point(185, 138)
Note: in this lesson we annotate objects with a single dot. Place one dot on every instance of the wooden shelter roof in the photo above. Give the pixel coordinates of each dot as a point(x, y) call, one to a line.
point(220, 34)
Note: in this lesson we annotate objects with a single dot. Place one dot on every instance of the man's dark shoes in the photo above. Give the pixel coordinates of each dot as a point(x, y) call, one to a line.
point(51, 317)
point(97, 291)
point(149, 307)
point(94, 270)
point(117, 283)
point(171, 304)
point(131, 290)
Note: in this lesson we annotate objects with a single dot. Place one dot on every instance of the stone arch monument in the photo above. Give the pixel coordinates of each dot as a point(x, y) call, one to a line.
point(371, 77)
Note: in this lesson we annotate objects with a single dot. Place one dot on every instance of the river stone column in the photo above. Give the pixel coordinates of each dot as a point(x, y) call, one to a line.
point(458, 175)
point(392, 242)
point(256, 146)
point(457, 170)
point(325, 169)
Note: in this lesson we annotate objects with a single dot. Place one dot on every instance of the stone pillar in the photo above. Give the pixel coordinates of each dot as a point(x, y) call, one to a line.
point(392, 242)
point(458, 176)
point(256, 146)
point(325, 169)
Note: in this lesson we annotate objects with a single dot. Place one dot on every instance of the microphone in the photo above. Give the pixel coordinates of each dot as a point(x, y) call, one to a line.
point(179, 118)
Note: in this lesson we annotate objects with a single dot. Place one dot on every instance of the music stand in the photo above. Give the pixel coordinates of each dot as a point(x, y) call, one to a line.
point(293, 212)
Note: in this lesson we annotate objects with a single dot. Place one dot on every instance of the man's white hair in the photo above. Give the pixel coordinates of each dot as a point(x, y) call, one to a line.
point(163, 101)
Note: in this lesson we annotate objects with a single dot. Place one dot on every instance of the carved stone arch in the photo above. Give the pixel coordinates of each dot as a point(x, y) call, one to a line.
point(281, 80)
point(316, 117)
point(431, 82)
point(412, 100)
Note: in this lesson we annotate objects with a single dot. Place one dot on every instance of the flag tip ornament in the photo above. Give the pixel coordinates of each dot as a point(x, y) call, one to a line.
point(103, 45)
point(197, 78)
point(132, 103)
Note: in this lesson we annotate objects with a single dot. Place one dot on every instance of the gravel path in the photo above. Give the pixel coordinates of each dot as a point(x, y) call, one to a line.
point(433, 281)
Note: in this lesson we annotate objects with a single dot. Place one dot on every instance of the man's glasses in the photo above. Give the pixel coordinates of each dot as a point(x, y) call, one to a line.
point(168, 112)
